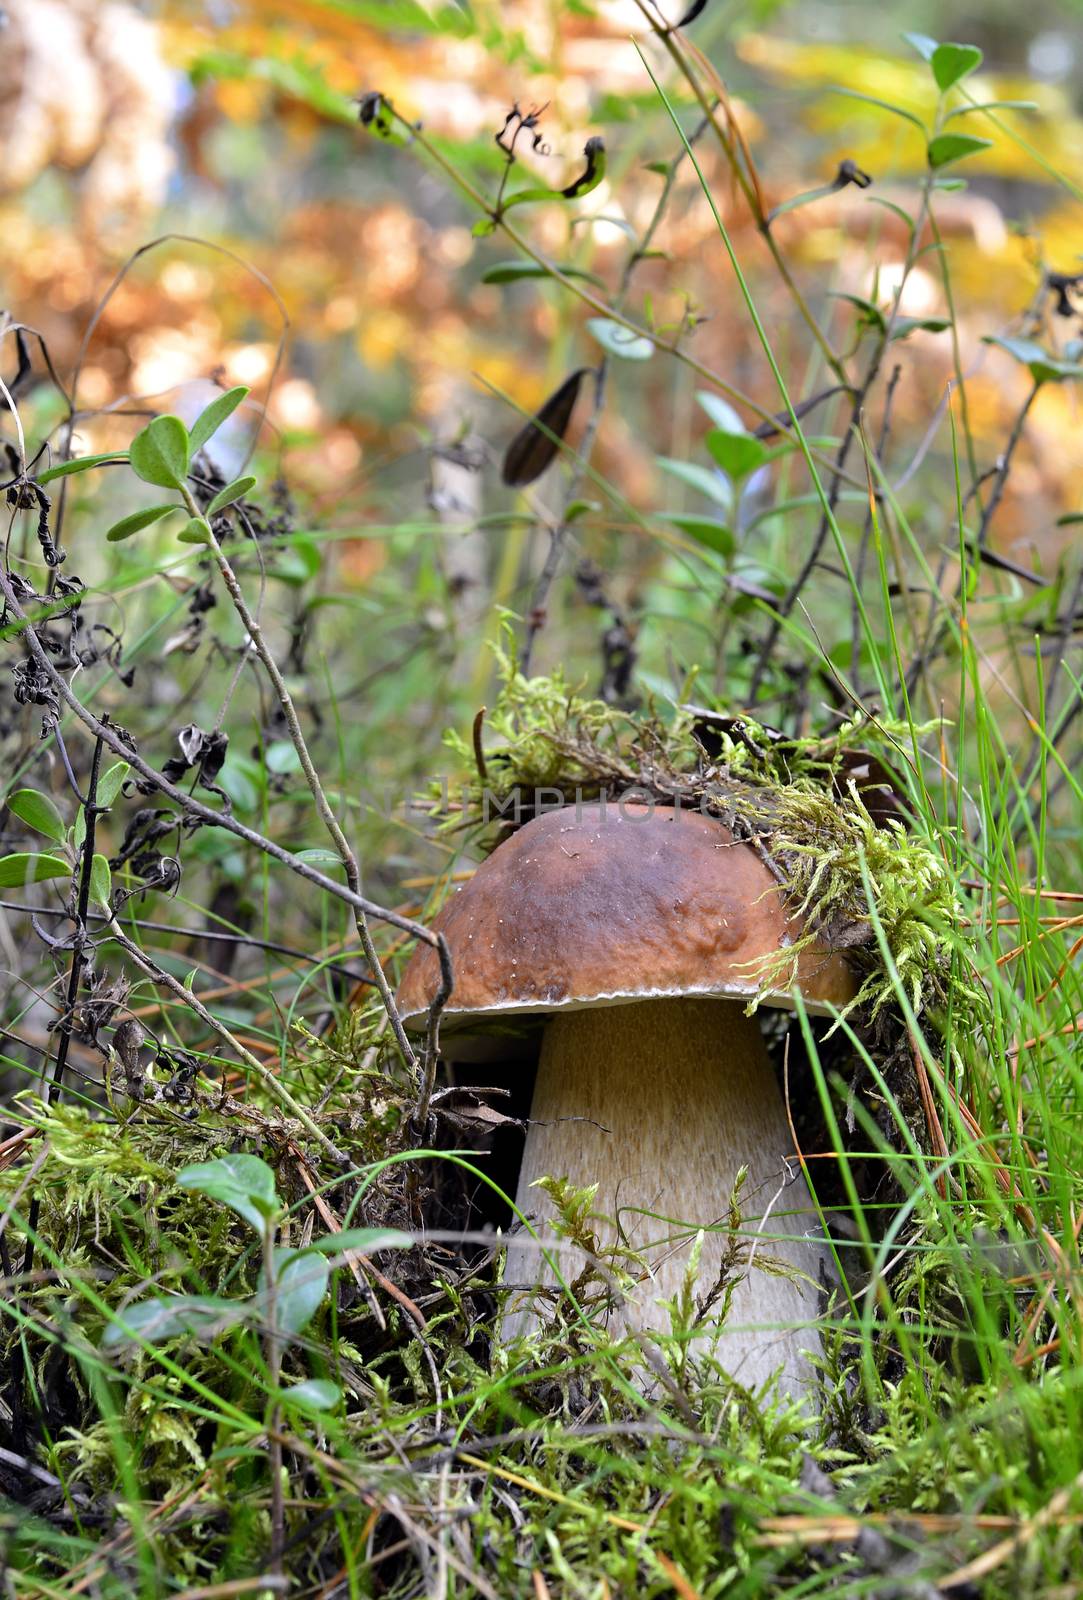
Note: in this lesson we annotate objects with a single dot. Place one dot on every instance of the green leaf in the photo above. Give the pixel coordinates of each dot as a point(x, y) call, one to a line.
point(211, 419)
point(702, 479)
point(889, 205)
point(81, 464)
point(580, 508)
point(296, 562)
point(882, 105)
point(738, 454)
point(111, 781)
point(1043, 367)
point(720, 412)
point(39, 813)
point(871, 314)
point(717, 536)
point(367, 1240)
point(925, 47)
point(232, 491)
point(197, 530)
point(137, 521)
point(618, 341)
point(244, 1183)
point(301, 1279)
point(168, 1315)
point(949, 147)
point(101, 880)
point(516, 271)
point(282, 757)
point(951, 63)
point(905, 326)
point(20, 869)
point(244, 780)
point(314, 1394)
point(992, 105)
point(321, 858)
point(159, 453)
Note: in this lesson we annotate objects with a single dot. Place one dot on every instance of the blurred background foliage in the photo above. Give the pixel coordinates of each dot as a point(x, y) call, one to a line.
point(234, 123)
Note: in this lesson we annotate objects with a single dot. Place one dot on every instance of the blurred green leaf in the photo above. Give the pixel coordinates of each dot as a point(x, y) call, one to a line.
point(314, 1394)
point(367, 1240)
point(992, 105)
point(516, 271)
point(925, 47)
point(717, 536)
point(702, 479)
point(882, 105)
point(951, 63)
point(1043, 367)
point(738, 454)
point(166, 1316)
point(619, 341)
point(720, 412)
point(949, 147)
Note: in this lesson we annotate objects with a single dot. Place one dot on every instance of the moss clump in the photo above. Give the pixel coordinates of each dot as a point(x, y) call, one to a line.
point(861, 879)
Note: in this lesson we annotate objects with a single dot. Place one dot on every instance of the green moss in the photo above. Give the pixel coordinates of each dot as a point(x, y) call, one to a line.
point(854, 880)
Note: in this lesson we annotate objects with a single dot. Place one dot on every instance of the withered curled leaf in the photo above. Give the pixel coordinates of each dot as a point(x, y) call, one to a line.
point(594, 172)
point(537, 443)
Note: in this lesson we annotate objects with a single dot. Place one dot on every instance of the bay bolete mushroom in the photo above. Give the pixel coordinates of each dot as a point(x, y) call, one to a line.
point(635, 935)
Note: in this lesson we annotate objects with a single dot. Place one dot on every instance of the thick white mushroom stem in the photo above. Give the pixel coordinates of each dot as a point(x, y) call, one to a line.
point(661, 1103)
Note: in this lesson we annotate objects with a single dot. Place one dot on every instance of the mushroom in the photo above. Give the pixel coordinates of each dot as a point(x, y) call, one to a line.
point(635, 935)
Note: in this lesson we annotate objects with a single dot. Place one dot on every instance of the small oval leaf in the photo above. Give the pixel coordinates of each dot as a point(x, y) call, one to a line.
point(232, 491)
point(301, 1281)
point(517, 271)
point(81, 464)
point(314, 1394)
point(717, 536)
point(22, 868)
point(212, 417)
point(949, 147)
point(197, 530)
point(168, 1315)
point(244, 1183)
point(101, 881)
point(159, 453)
point(738, 454)
point(951, 63)
point(39, 813)
point(110, 782)
point(138, 520)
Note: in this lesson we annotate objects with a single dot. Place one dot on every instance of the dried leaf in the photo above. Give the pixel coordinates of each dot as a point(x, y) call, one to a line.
point(536, 445)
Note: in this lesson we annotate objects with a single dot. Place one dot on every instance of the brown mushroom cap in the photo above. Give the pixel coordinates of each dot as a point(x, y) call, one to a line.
point(607, 904)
